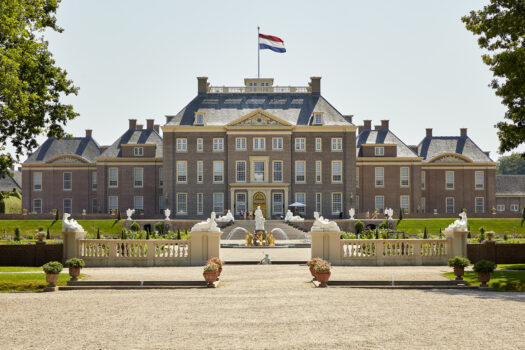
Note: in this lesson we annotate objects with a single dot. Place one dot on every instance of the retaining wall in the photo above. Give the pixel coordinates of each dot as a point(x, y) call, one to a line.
point(500, 253)
point(29, 254)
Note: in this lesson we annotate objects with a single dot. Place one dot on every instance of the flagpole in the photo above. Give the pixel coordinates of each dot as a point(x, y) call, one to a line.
point(258, 56)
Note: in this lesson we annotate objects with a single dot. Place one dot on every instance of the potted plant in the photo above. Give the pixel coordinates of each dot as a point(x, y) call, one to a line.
point(211, 271)
point(40, 236)
point(75, 265)
point(52, 269)
point(219, 262)
point(311, 265)
point(459, 263)
point(484, 268)
point(322, 272)
point(490, 234)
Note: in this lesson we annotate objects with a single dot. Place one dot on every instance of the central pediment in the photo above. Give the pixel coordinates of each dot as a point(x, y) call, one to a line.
point(259, 118)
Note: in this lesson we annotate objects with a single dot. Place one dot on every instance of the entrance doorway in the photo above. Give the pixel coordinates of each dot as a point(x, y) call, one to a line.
point(259, 199)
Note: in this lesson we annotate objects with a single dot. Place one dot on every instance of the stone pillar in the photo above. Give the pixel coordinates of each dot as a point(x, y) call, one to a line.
point(457, 243)
point(204, 245)
point(327, 245)
point(70, 246)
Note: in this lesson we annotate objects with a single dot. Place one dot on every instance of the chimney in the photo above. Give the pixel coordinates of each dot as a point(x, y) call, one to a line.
point(349, 118)
point(133, 123)
point(367, 124)
point(139, 126)
point(202, 85)
point(429, 132)
point(156, 128)
point(463, 132)
point(315, 85)
point(385, 124)
point(149, 123)
point(89, 132)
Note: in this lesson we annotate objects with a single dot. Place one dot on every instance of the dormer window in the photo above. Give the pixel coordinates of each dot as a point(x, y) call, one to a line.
point(199, 119)
point(138, 151)
point(318, 119)
point(380, 151)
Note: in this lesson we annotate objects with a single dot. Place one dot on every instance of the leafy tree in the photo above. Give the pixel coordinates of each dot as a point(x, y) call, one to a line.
point(501, 30)
point(511, 165)
point(31, 84)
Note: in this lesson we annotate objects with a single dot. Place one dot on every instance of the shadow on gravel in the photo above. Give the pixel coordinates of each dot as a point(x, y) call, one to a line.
point(482, 294)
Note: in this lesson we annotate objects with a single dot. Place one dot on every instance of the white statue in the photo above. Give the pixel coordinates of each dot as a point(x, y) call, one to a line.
point(167, 213)
point(259, 219)
point(390, 213)
point(130, 212)
point(206, 226)
point(226, 218)
point(459, 225)
point(351, 212)
point(324, 225)
point(70, 225)
point(291, 218)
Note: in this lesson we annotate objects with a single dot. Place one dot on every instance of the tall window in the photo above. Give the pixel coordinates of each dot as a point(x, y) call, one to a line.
point(479, 180)
point(241, 171)
point(37, 206)
point(182, 145)
point(218, 202)
point(479, 204)
point(423, 204)
point(240, 202)
point(112, 203)
point(161, 205)
point(277, 143)
point(300, 171)
point(182, 204)
point(405, 203)
point(258, 171)
point(218, 144)
point(300, 198)
point(357, 204)
point(138, 204)
point(67, 181)
point(37, 181)
point(278, 171)
point(357, 177)
point(94, 205)
point(423, 179)
point(318, 144)
point(300, 144)
point(200, 167)
point(318, 203)
point(258, 144)
point(318, 118)
point(94, 180)
point(161, 177)
point(318, 171)
point(449, 204)
point(380, 174)
point(199, 119)
point(379, 151)
point(200, 145)
point(337, 144)
point(404, 177)
point(138, 177)
point(277, 204)
point(240, 144)
point(138, 151)
point(182, 171)
point(449, 179)
point(218, 171)
point(337, 203)
point(113, 177)
point(337, 171)
point(67, 205)
point(200, 199)
point(380, 203)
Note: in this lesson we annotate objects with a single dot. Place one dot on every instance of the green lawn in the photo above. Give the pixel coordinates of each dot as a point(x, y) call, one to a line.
point(19, 268)
point(28, 282)
point(500, 280)
point(500, 226)
point(511, 266)
point(28, 227)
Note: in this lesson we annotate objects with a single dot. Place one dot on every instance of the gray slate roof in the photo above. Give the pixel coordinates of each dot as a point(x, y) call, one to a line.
point(85, 147)
point(510, 185)
point(432, 146)
point(221, 109)
point(7, 183)
point(136, 137)
point(383, 137)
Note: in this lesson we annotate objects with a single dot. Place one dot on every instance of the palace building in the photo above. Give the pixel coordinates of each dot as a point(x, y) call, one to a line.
point(236, 148)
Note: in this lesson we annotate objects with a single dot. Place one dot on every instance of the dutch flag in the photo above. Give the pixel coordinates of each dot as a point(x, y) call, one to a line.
point(271, 42)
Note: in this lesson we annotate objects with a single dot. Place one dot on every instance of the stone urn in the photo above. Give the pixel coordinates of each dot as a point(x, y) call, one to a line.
point(210, 277)
point(484, 277)
point(52, 279)
point(74, 272)
point(323, 277)
point(459, 272)
point(312, 272)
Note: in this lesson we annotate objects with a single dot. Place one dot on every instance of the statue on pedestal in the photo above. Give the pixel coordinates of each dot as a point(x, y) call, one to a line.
point(130, 212)
point(259, 219)
point(291, 218)
point(226, 218)
point(206, 226)
point(389, 212)
point(324, 225)
point(459, 225)
point(70, 225)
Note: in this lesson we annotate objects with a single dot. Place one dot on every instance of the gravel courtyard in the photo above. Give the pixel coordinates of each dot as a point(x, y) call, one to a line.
point(263, 307)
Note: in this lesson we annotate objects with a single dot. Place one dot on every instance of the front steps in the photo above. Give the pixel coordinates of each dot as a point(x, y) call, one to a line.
point(451, 284)
point(126, 285)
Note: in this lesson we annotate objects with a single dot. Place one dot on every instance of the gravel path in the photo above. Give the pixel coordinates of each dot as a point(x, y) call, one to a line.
point(264, 307)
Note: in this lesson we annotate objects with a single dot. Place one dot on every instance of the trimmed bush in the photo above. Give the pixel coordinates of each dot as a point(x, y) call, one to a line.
point(359, 226)
point(159, 227)
point(484, 266)
point(17, 234)
point(53, 267)
point(135, 226)
point(458, 261)
point(75, 262)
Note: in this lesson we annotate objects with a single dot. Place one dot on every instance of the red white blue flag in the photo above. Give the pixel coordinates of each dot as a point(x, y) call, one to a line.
point(271, 42)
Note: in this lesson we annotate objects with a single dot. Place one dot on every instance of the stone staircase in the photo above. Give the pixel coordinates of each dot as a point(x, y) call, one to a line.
point(249, 225)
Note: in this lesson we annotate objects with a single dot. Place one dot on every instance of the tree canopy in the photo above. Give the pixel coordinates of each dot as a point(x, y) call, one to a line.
point(501, 30)
point(31, 84)
point(511, 165)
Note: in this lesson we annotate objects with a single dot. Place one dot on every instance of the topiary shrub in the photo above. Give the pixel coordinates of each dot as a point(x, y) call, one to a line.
point(17, 234)
point(98, 232)
point(135, 226)
point(484, 266)
point(75, 262)
point(481, 236)
point(425, 233)
point(159, 227)
point(119, 216)
point(48, 236)
point(359, 226)
point(57, 215)
point(53, 267)
point(178, 233)
point(458, 261)
point(400, 216)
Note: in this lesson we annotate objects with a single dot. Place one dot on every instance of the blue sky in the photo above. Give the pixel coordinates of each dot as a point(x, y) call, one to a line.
point(412, 62)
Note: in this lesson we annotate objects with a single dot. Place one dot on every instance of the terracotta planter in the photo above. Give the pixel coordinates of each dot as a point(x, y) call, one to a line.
point(210, 277)
point(489, 236)
point(74, 272)
point(219, 272)
point(312, 271)
point(40, 238)
point(459, 272)
point(484, 277)
point(323, 277)
point(52, 279)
